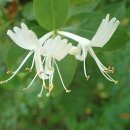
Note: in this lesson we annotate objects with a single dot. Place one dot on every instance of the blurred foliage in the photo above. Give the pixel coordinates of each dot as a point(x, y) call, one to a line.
point(96, 104)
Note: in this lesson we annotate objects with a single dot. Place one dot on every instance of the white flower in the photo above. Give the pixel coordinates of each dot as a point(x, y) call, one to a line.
point(53, 49)
point(28, 40)
point(102, 36)
point(49, 49)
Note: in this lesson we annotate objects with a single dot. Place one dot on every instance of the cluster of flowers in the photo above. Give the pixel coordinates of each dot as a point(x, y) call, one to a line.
point(52, 48)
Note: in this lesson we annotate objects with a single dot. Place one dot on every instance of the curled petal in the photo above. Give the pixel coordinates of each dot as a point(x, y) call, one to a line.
point(83, 41)
point(19, 41)
point(57, 48)
point(24, 37)
point(104, 32)
point(82, 53)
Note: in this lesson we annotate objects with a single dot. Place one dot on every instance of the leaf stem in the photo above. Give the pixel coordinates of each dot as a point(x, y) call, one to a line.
point(53, 15)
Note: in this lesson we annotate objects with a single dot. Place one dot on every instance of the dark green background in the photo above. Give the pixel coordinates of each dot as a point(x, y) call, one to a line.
point(96, 104)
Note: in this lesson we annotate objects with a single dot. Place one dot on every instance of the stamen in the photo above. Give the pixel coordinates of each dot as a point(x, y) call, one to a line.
point(43, 86)
point(88, 77)
point(110, 70)
point(34, 78)
point(84, 64)
point(50, 89)
point(17, 70)
point(40, 94)
point(31, 82)
point(2, 82)
point(105, 71)
point(67, 91)
point(43, 83)
point(32, 63)
point(46, 87)
point(28, 69)
point(116, 82)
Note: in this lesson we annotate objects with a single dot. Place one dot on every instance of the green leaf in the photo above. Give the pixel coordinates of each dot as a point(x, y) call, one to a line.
point(67, 68)
point(81, 6)
point(51, 14)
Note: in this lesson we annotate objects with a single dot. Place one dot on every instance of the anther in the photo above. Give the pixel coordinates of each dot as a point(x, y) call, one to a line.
point(48, 94)
point(67, 91)
point(2, 82)
point(51, 86)
point(110, 70)
point(113, 69)
point(39, 95)
point(88, 77)
point(45, 87)
point(28, 69)
point(9, 72)
point(115, 82)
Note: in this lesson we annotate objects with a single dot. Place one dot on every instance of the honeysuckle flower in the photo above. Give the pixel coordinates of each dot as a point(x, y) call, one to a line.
point(48, 47)
point(28, 40)
point(101, 37)
point(54, 49)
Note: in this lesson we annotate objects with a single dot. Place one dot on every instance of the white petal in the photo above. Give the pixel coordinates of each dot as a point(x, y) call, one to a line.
point(20, 43)
point(73, 51)
point(47, 46)
point(108, 30)
point(34, 39)
point(104, 32)
point(113, 28)
point(63, 51)
point(39, 66)
point(29, 36)
point(61, 44)
point(56, 49)
point(24, 26)
point(82, 53)
point(51, 45)
point(98, 36)
point(48, 65)
point(83, 41)
point(54, 44)
point(24, 37)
